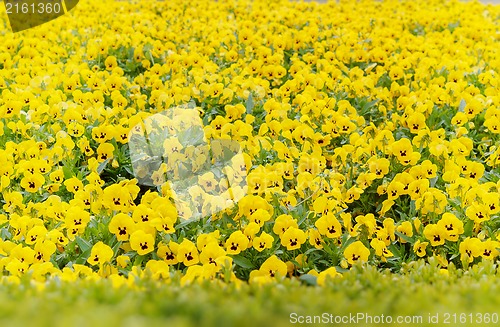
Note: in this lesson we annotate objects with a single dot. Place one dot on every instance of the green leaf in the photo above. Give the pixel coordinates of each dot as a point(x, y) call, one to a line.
point(68, 173)
point(183, 223)
point(5, 234)
point(102, 166)
point(249, 104)
point(469, 225)
point(403, 215)
point(346, 241)
point(310, 215)
point(194, 135)
point(243, 262)
point(462, 105)
point(404, 237)
point(138, 260)
point(395, 250)
point(83, 257)
point(147, 47)
point(311, 250)
point(83, 244)
point(309, 279)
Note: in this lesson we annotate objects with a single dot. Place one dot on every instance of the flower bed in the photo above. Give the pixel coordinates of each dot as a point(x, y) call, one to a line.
point(369, 135)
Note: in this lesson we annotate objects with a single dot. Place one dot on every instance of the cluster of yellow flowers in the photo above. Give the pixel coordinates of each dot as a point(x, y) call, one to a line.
point(369, 132)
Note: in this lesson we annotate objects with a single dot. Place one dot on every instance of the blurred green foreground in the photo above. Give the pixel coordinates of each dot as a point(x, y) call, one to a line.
point(421, 291)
